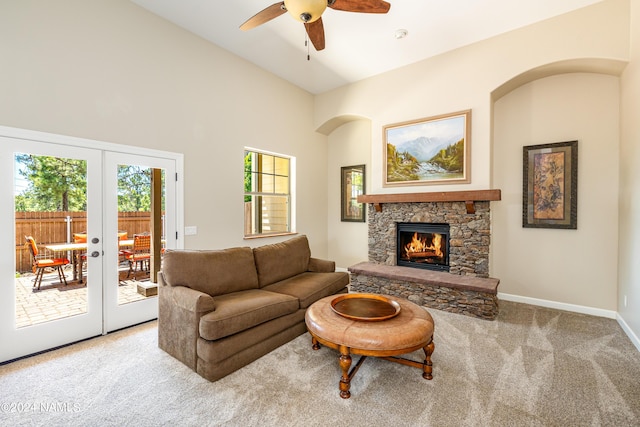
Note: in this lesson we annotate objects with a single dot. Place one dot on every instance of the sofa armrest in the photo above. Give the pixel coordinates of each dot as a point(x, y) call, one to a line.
point(321, 265)
point(193, 301)
point(179, 311)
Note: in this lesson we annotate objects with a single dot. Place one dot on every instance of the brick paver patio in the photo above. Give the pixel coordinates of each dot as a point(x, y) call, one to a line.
point(54, 300)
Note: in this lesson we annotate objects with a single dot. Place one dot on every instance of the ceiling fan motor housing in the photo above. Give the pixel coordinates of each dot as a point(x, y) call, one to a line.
point(306, 10)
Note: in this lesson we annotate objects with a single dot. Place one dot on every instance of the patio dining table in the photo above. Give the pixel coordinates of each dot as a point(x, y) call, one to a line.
point(77, 249)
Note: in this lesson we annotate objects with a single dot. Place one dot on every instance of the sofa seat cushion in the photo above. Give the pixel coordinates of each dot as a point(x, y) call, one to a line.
point(214, 272)
point(309, 287)
point(238, 311)
point(280, 261)
point(218, 350)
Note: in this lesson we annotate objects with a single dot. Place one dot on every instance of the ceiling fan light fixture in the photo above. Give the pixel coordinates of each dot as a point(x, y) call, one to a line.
point(306, 10)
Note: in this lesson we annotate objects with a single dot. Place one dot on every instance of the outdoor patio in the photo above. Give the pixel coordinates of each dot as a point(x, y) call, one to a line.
point(54, 300)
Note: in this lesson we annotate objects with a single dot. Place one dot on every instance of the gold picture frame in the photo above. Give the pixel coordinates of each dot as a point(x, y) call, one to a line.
point(429, 151)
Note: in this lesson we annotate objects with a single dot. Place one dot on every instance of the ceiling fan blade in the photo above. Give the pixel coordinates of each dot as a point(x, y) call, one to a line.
point(315, 30)
point(362, 6)
point(265, 15)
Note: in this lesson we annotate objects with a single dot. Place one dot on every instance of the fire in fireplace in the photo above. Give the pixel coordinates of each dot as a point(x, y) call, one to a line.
point(423, 245)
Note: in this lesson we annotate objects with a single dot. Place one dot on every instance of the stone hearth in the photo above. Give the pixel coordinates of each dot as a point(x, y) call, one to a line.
point(471, 296)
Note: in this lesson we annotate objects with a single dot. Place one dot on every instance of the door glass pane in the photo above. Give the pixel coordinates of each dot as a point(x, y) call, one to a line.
point(50, 199)
point(141, 213)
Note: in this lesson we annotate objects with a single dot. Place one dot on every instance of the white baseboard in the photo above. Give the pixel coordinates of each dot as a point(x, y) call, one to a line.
point(632, 336)
point(610, 314)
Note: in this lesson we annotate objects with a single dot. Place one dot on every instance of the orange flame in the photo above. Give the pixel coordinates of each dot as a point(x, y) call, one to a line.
point(418, 244)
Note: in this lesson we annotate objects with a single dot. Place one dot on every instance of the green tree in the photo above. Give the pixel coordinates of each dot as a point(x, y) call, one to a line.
point(134, 188)
point(450, 158)
point(247, 175)
point(54, 184)
point(59, 184)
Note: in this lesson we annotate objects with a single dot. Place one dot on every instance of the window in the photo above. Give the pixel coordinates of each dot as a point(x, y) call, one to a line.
point(267, 193)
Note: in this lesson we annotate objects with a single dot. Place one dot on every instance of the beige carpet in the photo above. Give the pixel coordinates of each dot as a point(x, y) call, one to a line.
point(531, 367)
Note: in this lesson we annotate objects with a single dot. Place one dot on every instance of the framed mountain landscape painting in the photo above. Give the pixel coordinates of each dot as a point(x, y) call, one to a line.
point(433, 150)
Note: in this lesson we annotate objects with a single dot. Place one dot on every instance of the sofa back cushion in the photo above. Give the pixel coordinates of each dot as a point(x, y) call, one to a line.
point(280, 261)
point(215, 272)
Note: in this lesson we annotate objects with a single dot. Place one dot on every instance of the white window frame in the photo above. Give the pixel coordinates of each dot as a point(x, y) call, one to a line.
point(291, 196)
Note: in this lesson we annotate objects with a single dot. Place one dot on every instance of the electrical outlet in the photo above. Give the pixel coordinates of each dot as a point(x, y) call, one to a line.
point(625, 301)
point(191, 230)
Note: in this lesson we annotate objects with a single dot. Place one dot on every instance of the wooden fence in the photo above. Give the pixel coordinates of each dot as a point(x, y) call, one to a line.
point(51, 227)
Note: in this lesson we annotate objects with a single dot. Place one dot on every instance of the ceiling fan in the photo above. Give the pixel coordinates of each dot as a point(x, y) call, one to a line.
point(310, 12)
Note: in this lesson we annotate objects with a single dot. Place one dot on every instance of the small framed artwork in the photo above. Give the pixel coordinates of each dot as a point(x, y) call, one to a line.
point(550, 185)
point(434, 150)
point(352, 186)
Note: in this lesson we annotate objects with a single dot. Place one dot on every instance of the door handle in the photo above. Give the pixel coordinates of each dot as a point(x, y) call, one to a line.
point(95, 254)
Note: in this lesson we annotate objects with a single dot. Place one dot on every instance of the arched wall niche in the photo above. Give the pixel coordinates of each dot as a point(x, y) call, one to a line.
point(607, 66)
point(348, 143)
point(332, 124)
point(563, 101)
point(612, 67)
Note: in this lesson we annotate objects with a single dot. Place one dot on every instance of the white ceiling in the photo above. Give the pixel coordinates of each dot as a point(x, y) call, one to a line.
point(358, 45)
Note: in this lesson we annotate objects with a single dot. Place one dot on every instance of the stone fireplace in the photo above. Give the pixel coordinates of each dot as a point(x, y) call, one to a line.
point(446, 236)
point(469, 234)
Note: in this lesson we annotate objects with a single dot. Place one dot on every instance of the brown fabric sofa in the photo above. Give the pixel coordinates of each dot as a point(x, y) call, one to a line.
point(220, 310)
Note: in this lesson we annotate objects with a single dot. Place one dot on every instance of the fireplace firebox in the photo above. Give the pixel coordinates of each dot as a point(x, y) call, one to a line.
point(423, 245)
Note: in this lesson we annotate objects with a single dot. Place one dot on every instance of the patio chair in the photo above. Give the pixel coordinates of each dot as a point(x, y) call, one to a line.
point(140, 254)
point(122, 254)
point(40, 263)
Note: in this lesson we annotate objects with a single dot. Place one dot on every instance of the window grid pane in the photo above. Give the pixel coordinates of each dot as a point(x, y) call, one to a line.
point(266, 163)
point(281, 166)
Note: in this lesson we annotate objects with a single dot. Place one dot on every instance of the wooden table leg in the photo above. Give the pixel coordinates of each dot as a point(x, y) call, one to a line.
point(345, 380)
point(427, 373)
point(314, 343)
point(80, 262)
point(74, 258)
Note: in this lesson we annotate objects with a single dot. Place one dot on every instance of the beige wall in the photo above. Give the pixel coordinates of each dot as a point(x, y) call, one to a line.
point(629, 263)
point(593, 39)
point(108, 70)
point(464, 79)
point(567, 266)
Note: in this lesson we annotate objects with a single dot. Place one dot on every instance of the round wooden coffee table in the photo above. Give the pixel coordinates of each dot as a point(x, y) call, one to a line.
point(410, 330)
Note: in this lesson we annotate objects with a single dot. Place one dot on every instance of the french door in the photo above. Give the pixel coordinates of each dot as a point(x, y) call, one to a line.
point(122, 306)
point(99, 286)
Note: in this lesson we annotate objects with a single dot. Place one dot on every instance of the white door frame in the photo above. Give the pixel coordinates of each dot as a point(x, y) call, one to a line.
point(24, 341)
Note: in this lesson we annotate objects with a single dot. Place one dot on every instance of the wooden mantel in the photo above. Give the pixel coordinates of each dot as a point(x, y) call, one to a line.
point(468, 197)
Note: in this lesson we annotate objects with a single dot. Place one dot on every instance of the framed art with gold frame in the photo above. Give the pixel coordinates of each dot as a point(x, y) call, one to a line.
point(433, 150)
